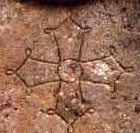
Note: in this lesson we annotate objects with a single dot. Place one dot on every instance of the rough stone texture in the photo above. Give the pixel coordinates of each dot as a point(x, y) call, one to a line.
point(30, 73)
point(70, 69)
point(45, 95)
point(100, 71)
point(69, 37)
point(41, 124)
point(47, 43)
point(96, 94)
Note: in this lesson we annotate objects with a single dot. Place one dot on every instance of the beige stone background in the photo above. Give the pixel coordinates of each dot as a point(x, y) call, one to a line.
point(37, 44)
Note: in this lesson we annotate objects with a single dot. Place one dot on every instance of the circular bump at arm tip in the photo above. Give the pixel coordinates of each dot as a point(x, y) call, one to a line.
point(50, 111)
point(112, 50)
point(70, 129)
point(9, 71)
point(87, 29)
point(129, 69)
point(90, 110)
point(28, 52)
point(49, 30)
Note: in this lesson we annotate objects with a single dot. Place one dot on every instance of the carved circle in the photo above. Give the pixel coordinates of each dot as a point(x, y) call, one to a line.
point(69, 70)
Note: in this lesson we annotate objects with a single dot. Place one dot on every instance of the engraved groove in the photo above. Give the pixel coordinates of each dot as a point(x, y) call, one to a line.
point(28, 52)
point(70, 110)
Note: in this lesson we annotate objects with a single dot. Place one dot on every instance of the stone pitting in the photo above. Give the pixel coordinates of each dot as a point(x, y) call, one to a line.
point(70, 73)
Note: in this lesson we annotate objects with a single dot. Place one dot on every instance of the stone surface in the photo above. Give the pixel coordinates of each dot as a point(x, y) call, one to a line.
point(45, 124)
point(100, 71)
point(48, 44)
point(69, 69)
point(95, 93)
point(30, 73)
point(69, 37)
